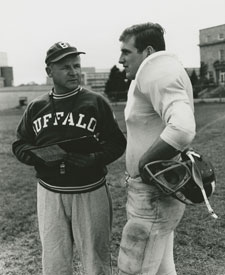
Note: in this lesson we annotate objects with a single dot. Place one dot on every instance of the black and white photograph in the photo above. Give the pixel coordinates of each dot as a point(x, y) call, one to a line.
point(112, 137)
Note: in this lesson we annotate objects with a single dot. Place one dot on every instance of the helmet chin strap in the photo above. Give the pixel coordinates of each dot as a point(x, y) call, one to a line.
point(198, 180)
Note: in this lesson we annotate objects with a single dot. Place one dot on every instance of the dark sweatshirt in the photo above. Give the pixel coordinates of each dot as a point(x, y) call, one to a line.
point(52, 118)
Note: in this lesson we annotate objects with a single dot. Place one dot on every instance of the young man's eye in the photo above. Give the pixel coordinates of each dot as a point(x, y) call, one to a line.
point(125, 52)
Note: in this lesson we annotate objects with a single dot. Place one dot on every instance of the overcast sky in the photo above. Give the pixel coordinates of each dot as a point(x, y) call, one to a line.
point(30, 27)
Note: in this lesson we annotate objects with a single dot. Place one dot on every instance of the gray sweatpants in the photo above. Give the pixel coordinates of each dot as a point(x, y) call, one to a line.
point(81, 219)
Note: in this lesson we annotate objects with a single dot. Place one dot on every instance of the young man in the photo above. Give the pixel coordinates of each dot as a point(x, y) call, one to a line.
point(160, 123)
point(74, 204)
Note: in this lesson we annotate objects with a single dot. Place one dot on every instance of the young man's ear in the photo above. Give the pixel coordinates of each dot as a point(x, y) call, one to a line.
point(48, 71)
point(149, 50)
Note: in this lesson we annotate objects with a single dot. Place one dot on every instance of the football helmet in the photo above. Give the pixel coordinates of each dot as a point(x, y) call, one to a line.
point(190, 179)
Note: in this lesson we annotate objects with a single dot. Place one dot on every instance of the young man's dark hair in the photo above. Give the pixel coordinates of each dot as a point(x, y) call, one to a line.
point(147, 34)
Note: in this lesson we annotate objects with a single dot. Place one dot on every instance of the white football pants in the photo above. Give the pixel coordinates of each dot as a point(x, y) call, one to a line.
point(147, 240)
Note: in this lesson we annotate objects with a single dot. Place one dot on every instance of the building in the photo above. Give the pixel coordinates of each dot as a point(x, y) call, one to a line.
point(6, 72)
point(1, 82)
point(95, 78)
point(212, 52)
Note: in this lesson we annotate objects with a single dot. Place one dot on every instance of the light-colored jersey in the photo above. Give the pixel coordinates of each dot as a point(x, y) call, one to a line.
point(160, 103)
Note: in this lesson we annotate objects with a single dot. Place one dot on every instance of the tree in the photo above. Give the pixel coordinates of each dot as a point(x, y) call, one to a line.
point(203, 81)
point(194, 78)
point(203, 72)
point(117, 85)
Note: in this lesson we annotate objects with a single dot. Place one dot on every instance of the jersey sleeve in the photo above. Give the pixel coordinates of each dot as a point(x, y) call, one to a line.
point(168, 94)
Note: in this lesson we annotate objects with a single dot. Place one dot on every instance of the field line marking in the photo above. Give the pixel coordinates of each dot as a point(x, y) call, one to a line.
point(209, 124)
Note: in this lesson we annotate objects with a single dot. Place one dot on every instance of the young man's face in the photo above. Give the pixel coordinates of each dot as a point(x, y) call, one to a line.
point(130, 58)
point(66, 73)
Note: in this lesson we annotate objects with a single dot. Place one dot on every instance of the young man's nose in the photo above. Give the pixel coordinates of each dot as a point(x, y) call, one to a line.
point(121, 59)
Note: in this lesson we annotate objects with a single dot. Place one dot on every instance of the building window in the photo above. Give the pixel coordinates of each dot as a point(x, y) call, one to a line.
point(221, 36)
point(210, 76)
point(222, 77)
point(207, 39)
point(221, 55)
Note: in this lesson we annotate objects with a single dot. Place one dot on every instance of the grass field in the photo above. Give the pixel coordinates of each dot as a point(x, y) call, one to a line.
point(199, 240)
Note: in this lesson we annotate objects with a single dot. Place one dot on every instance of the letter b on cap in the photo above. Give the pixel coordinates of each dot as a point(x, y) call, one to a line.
point(63, 45)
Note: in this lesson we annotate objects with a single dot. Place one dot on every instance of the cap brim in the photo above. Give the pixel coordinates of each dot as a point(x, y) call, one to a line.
point(64, 55)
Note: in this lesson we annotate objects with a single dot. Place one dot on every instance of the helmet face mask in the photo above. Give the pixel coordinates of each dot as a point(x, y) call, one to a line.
point(170, 176)
point(190, 180)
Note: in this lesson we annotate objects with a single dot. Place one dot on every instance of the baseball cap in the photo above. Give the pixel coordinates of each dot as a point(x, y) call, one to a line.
point(59, 50)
